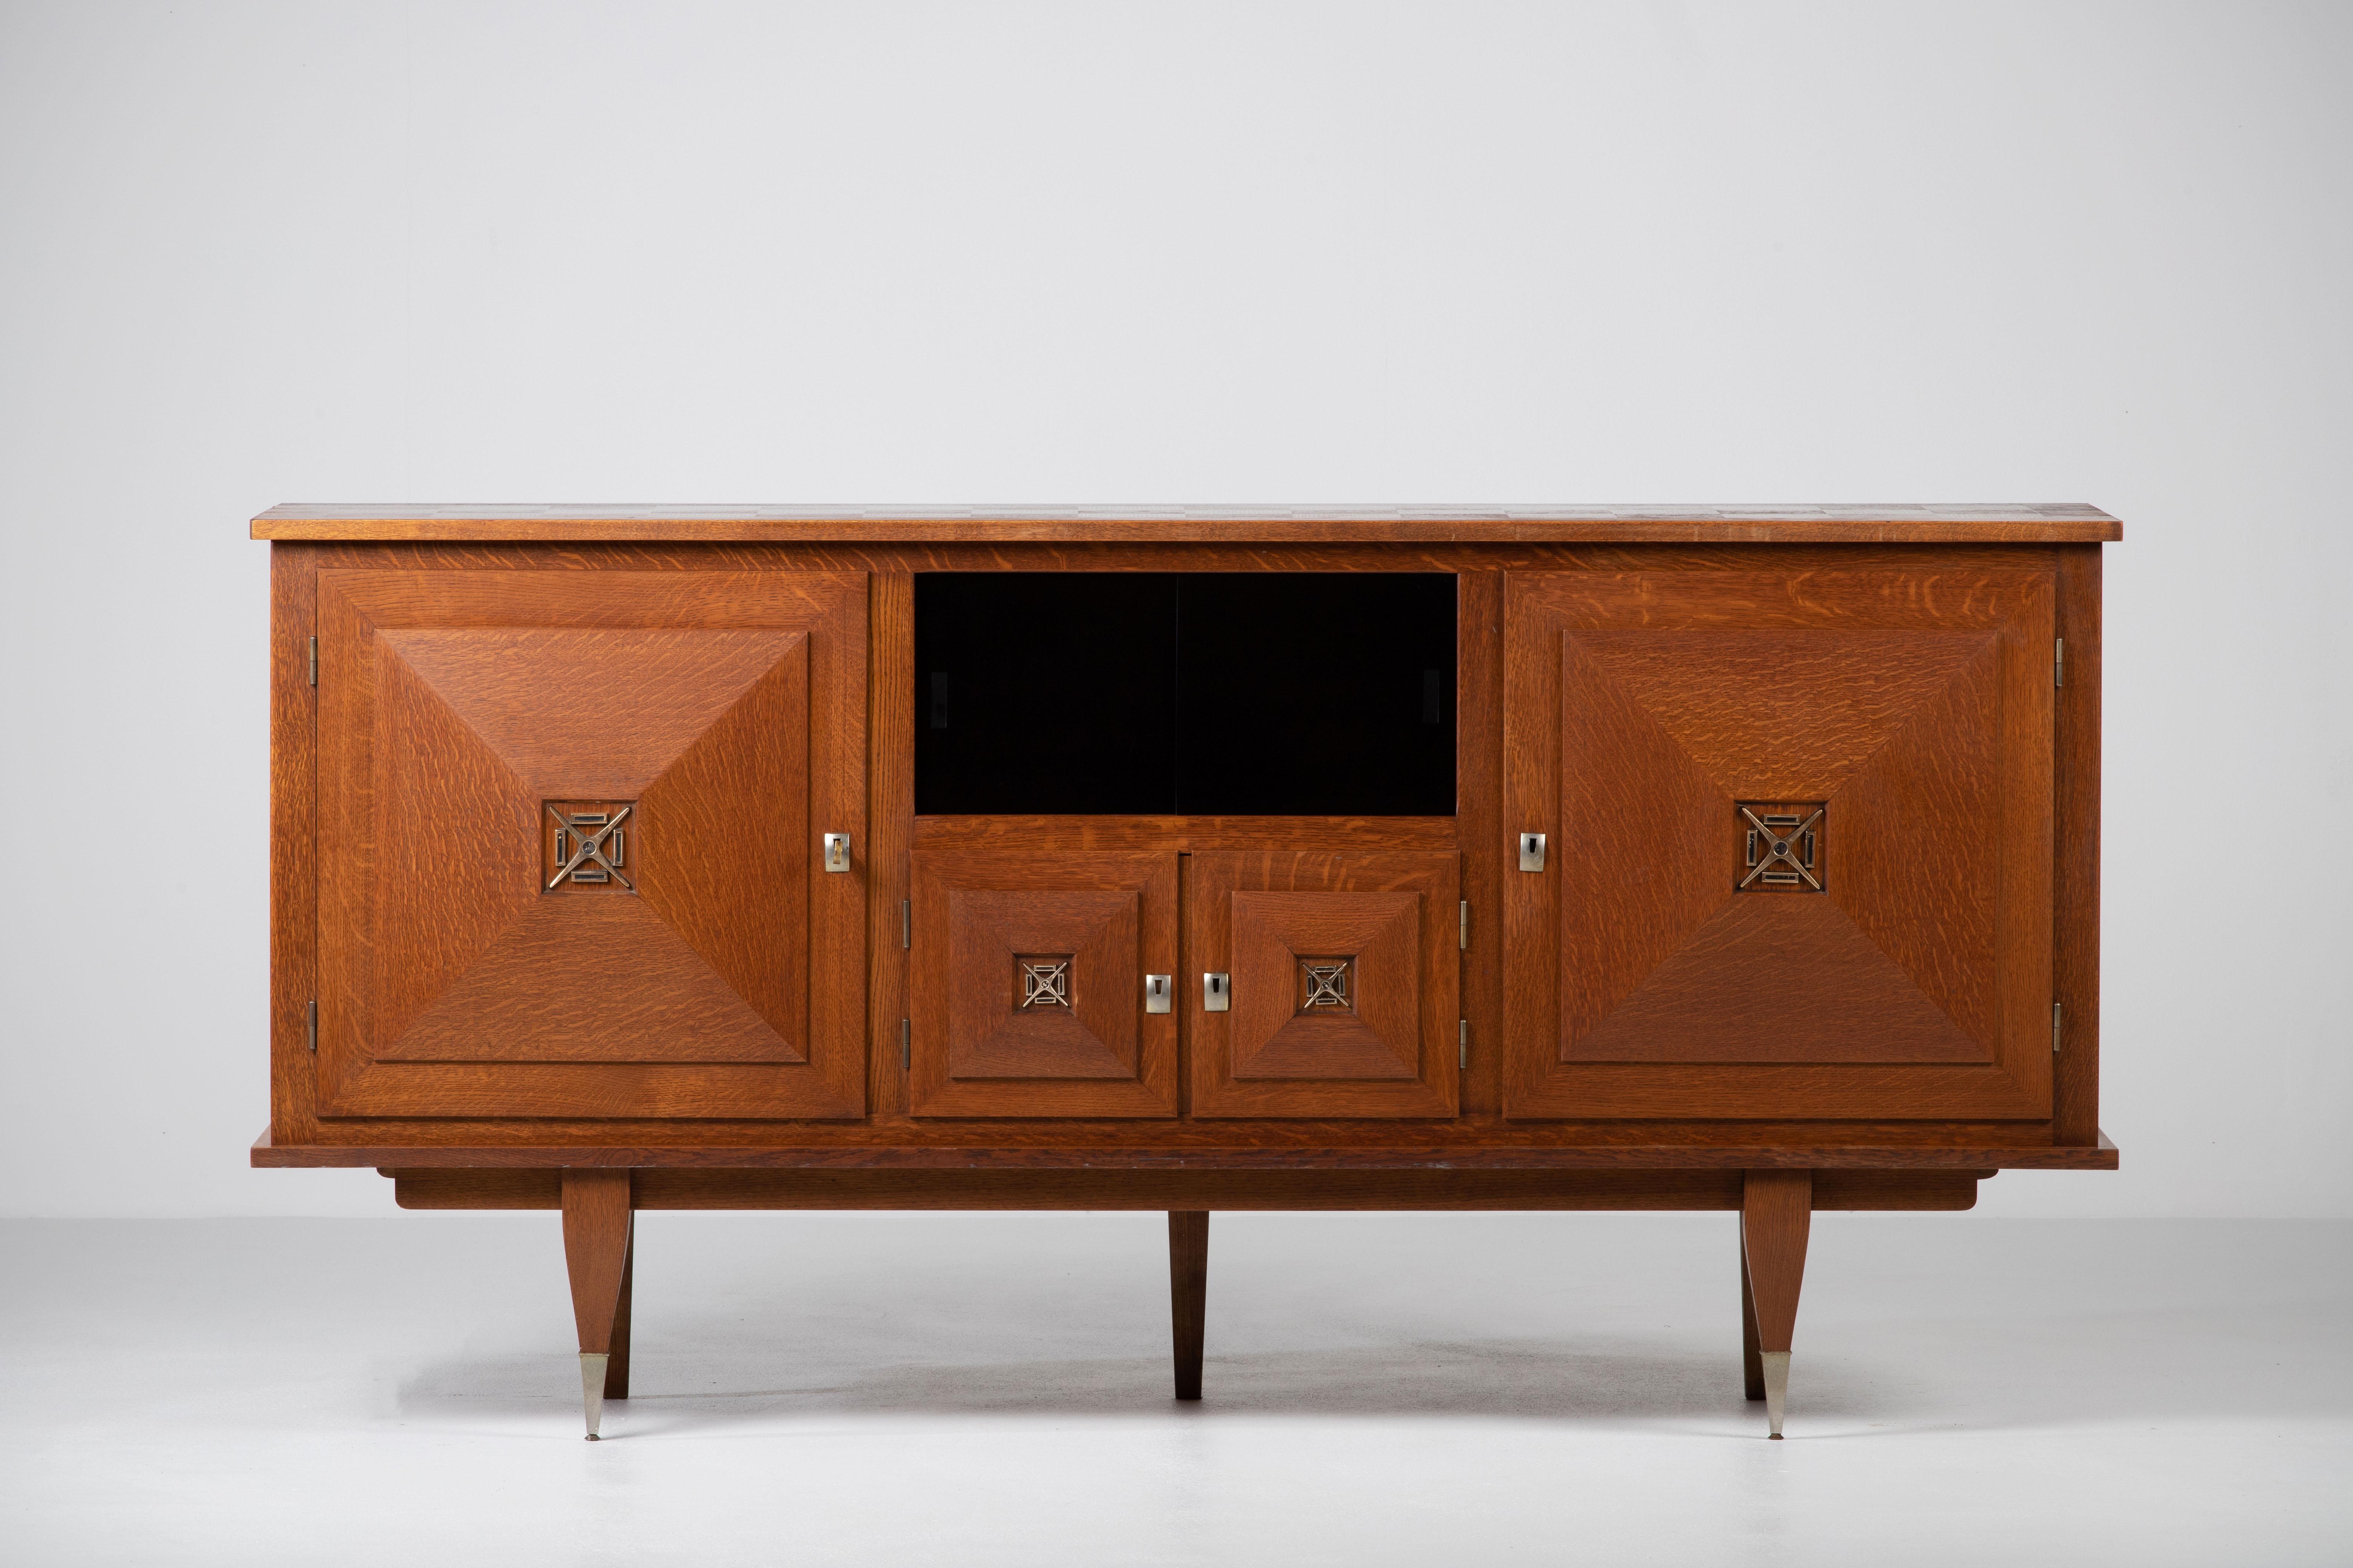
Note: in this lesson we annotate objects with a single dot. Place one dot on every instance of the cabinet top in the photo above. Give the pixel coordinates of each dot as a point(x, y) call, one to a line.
point(2056, 523)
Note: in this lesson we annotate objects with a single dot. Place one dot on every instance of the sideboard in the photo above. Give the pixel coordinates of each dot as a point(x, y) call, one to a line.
point(631, 858)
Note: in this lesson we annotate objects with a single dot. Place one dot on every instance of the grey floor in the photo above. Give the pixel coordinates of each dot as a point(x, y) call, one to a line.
point(981, 1389)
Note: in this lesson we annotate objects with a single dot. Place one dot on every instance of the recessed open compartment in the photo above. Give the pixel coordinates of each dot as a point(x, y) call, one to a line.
point(1201, 694)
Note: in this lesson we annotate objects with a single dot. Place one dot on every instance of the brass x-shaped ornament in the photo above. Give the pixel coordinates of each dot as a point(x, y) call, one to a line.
point(592, 847)
point(1327, 984)
point(1781, 849)
point(1046, 985)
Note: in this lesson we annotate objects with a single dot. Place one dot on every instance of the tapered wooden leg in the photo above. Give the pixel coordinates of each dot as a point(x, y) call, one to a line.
point(596, 1222)
point(1188, 1289)
point(616, 1370)
point(1752, 1369)
point(1776, 1211)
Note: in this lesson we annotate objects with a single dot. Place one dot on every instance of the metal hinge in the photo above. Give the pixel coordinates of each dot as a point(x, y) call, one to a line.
point(2054, 1028)
point(1466, 925)
point(2059, 662)
point(1462, 1035)
point(314, 661)
point(906, 1046)
point(311, 1026)
point(906, 923)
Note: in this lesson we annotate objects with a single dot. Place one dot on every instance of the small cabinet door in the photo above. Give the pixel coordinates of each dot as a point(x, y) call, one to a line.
point(570, 843)
point(1042, 985)
point(1798, 853)
point(1338, 978)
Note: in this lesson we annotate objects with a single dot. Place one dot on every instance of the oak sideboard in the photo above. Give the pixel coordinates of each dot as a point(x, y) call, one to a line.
point(629, 858)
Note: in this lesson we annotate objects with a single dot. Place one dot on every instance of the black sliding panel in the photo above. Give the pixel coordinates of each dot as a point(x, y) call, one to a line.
point(1041, 692)
point(1316, 694)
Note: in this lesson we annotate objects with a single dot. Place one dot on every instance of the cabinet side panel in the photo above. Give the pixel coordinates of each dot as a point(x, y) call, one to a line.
point(293, 827)
point(2075, 978)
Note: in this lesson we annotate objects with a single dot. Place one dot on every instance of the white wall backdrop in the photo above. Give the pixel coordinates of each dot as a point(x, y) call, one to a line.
point(1182, 253)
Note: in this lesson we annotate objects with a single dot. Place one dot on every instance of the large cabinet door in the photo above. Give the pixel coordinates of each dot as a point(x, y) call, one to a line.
point(1798, 851)
point(1338, 976)
point(570, 843)
point(1043, 984)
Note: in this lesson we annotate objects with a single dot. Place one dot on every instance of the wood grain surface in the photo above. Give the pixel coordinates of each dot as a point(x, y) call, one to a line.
point(1479, 806)
point(1752, 1360)
point(596, 1226)
point(1058, 1141)
point(1772, 980)
point(1256, 917)
point(1641, 709)
point(455, 705)
point(1776, 1210)
point(1195, 835)
point(1054, 1152)
point(976, 1051)
point(616, 1369)
point(293, 843)
point(503, 1112)
point(822, 557)
point(891, 780)
point(1188, 1285)
point(1374, 1031)
point(431, 1188)
point(2034, 523)
point(2075, 914)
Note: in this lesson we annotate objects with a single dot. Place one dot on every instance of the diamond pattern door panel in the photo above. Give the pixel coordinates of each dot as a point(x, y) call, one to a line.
point(1802, 831)
point(1343, 974)
point(1028, 984)
point(567, 859)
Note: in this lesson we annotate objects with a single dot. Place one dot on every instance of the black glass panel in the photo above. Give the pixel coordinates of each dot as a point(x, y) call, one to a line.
point(1287, 694)
point(1322, 694)
point(1045, 692)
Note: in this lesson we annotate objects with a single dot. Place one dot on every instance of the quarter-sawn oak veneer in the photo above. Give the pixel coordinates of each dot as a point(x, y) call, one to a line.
point(599, 886)
point(458, 710)
point(1910, 712)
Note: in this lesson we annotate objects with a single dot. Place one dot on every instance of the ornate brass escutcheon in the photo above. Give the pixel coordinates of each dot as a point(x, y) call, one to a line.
point(1323, 984)
point(1044, 980)
point(1781, 846)
point(585, 844)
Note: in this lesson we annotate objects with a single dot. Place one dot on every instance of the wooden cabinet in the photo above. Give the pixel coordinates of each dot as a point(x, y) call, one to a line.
point(631, 860)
